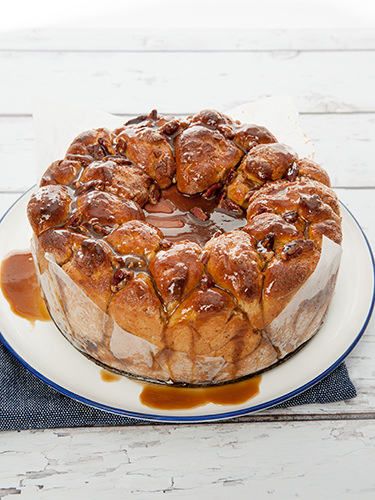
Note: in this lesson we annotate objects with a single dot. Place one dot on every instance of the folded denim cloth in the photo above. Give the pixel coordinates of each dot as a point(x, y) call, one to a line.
point(26, 402)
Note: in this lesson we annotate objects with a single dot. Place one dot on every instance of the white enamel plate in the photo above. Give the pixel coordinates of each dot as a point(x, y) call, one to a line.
point(46, 353)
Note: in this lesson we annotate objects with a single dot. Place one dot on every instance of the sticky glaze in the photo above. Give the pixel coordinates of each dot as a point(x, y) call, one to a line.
point(183, 398)
point(172, 214)
point(108, 376)
point(19, 285)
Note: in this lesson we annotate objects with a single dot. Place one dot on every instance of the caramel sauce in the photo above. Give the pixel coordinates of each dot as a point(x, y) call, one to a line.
point(20, 287)
point(172, 215)
point(183, 398)
point(108, 376)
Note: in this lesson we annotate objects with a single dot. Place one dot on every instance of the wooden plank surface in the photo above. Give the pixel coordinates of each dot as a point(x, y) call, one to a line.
point(265, 460)
point(130, 83)
point(309, 452)
point(343, 145)
point(212, 39)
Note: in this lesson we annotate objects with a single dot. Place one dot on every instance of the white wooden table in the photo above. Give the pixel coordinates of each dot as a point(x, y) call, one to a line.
point(304, 452)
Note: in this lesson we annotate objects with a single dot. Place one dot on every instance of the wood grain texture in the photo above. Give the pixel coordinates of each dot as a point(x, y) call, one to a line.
point(343, 145)
point(270, 460)
point(212, 39)
point(131, 82)
point(309, 452)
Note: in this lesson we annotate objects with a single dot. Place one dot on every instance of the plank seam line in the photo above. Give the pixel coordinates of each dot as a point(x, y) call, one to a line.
point(177, 51)
point(315, 417)
point(181, 113)
point(353, 188)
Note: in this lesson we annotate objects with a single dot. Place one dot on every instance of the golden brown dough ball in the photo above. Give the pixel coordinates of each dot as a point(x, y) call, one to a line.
point(61, 172)
point(137, 309)
point(135, 237)
point(271, 231)
point(284, 275)
point(309, 168)
point(249, 136)
point(105, 210)
point(237, 340)
point(203, 158)
point(306, 194)
point(240, 189)
point(215, 120)
point(61, 243)
point(303, 202)
point(120, 178)
point(177, 271)
point(234, 265)
point(267, 162)
point(149, 149)
point(198, 320)
point(264, 162)
point(91, 144)
point(48, 207)
point(91, 268)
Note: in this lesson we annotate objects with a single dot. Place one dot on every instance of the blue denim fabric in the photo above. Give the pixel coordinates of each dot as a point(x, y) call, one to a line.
point(28, 403)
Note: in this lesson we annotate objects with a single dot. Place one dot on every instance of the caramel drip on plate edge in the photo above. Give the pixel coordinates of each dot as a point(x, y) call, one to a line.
point(108, 376)
point(164, 397)
point(182, 398)
point(19, 285)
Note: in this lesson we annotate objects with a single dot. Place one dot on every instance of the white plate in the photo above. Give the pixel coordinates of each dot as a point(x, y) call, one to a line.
point(46, 353)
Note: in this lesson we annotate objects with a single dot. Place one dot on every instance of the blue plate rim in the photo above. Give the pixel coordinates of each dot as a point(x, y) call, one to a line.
point(200, 418)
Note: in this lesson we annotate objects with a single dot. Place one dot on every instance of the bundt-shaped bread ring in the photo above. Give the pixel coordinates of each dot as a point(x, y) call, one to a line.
point(188, 238)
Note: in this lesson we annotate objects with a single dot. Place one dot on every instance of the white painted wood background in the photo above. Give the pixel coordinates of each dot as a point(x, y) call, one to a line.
point(305, 452)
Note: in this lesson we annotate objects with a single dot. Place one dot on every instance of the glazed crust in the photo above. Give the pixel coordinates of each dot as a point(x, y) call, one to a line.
point(135, 237)
point(121, 178)
point(177, 271)
point(203, 157)
point(206, 309)
point(91, 268)
point(137, 309)
point(292, 265)
point(235, 265)
point(149, 149)
point(248, 136)
point(49, 207)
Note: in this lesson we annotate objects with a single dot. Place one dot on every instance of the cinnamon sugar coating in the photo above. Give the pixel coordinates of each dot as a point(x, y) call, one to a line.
point(137, 309)
point(91, 268)
point(61, 172)
point(61, 243)
point(48, 207)
point(149, 149)
point(204, 311)
point(120, 178)
point(177, 271)
point(248, 136)
point(203, 157)
point(235, 265)
point(135, 237)
point(103, 211)
point(284, 275)
point(309, 168)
